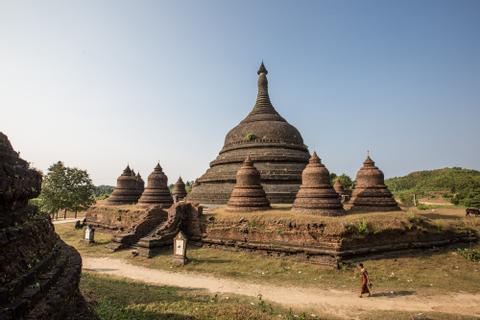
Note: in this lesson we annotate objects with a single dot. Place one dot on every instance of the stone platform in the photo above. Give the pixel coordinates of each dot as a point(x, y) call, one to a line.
point(145, 227)
point(326, 241)
point(128, 223)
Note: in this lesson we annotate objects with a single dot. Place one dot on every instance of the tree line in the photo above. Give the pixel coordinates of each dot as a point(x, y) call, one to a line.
point(458, 185)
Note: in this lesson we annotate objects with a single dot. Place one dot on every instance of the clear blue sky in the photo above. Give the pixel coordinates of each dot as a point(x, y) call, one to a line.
point(99, 84)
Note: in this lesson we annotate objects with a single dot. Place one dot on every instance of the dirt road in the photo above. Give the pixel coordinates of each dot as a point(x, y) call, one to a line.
point(336, 302)
point(68, 220)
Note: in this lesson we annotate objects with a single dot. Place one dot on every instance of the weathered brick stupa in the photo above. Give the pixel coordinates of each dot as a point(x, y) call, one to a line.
point(141, 183)
point(39, 273)
point(248, 193)
point(340, 190)
point(338, 187)
point(316, 194)
point(179, 192)
point(274, 145)
point(127, 190)
point(157, 191)
point(370, 192)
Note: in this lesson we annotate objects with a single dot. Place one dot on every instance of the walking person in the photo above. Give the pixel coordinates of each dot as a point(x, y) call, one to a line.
point(364, 280)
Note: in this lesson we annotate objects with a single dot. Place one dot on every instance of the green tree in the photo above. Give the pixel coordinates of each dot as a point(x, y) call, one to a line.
point(346, 181)
point(65, 189)
point(102, 191)
point(80, 190)
point(333, 176)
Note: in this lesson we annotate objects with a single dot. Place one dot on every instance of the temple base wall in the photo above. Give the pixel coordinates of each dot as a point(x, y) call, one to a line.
point(310, 242)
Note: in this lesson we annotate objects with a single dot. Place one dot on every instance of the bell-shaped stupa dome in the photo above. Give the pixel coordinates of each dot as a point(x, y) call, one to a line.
point(274, 145)
point(179, 190)
point(126, 191)
point(248, 193)
point(370, 192)
point(316, 194)
point(157, 191)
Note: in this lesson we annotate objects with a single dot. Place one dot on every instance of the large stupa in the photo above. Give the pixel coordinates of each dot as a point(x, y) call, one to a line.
point(273, 144)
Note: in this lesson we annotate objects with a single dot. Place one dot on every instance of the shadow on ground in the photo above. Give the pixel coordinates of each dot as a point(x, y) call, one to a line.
point(98, 269)
point(393, 294)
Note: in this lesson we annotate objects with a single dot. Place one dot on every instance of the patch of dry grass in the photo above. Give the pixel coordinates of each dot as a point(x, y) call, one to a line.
point(333, 225)
point(117, 298)
point(403, 315)
point(438, 219)
point(136, 206)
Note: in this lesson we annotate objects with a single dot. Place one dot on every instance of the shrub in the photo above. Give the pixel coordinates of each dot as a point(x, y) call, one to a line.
point(102, 196)
point(250, 137)
point(470, 254)
point(363, 227)
point(423, 206)
point(406, 198)
point(413, 218)
point(263, 306)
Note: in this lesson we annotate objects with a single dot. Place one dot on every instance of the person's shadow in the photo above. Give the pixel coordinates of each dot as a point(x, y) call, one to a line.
point(393, 294)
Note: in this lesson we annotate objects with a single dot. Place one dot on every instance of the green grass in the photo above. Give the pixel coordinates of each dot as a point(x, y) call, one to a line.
point(73, 236)
point(470, 254)
point(120, 299)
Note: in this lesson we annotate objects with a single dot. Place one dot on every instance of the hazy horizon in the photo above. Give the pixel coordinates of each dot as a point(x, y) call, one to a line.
point(98, 85)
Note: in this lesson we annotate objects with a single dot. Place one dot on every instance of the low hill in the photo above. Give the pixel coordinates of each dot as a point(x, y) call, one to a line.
point(457, 185)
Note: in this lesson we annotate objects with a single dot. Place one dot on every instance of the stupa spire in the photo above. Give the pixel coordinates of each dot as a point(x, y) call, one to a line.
point(248, 161)
point(314, 158)
point(263, 105)
point(368, 161)
point(127, 171)
point(262, 69)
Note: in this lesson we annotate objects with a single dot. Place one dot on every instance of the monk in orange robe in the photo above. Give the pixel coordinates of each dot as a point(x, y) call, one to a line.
point(364, 280)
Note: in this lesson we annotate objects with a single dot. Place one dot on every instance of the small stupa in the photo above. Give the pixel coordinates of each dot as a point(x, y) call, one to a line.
point(179, 192)
point(248, 193)
point(157, 191)
point(316, 194)
point(370, 192)
point(338, 187)
point(140, 182)
point(340, 190)
point(127, 190)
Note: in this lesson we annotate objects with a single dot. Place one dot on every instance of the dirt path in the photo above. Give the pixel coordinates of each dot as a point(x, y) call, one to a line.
point(336, 302)
point(68, 220)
